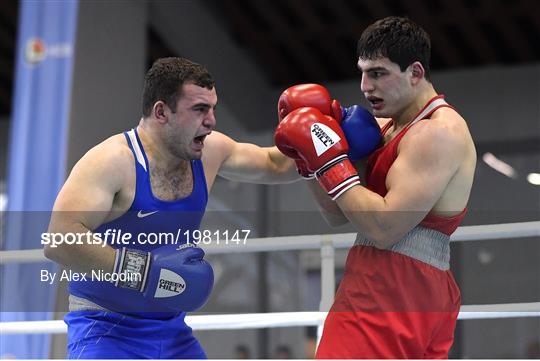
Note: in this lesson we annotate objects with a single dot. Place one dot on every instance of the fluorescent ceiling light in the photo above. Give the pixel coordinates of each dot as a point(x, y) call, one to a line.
point(499, 165)
point(534, 178)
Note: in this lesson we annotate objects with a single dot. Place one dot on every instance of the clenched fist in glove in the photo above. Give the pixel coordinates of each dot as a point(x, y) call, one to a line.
point(171, 279)
point(360, 127)
point(306, 95)
point(318, 140)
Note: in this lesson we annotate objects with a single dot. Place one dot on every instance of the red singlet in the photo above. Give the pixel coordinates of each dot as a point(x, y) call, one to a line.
point(400, 302)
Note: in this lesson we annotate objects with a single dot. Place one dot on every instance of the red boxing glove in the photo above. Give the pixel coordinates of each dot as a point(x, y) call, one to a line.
point(301, 165)
point(307, 95)
point(320, 142)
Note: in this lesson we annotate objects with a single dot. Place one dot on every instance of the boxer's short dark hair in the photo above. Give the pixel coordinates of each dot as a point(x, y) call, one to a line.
point(165, 78)
point(398, 39)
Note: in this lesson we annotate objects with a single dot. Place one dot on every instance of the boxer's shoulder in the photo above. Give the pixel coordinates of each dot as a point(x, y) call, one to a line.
point(113, 151)
point(448, 115)
point(104, 171)
point(217, 140)
point(445, 124)
point(111, 159)
point(217, 147)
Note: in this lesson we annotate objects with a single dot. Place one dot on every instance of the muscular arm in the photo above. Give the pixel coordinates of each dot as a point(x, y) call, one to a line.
point(246, 162)
point(328, 208)
point(425, 165)
point(83, 204)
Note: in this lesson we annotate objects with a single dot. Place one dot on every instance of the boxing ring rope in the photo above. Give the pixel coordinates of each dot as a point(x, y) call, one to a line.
point(327, 244)
point(278, 319)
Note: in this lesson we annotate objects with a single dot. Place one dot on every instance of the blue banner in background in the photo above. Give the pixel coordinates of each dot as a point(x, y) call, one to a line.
point(37, 157)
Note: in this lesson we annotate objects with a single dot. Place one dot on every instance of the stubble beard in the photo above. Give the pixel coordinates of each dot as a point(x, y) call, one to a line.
point(178, 147)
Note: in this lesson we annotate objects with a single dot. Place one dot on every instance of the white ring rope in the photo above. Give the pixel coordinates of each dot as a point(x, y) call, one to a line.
point(280, 319)
point(343, 240)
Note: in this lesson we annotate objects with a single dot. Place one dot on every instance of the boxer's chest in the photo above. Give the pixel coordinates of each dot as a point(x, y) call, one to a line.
point(171, 185)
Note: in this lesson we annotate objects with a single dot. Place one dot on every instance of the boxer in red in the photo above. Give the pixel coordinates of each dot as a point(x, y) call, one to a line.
point(398, 298)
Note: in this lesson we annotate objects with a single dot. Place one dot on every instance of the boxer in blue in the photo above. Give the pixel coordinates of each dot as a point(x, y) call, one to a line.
point(154, 178)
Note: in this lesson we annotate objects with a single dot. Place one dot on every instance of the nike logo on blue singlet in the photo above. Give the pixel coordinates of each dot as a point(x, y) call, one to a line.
point(142, 215)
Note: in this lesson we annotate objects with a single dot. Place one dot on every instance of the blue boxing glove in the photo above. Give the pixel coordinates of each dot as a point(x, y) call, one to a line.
point(361, 130)
point(171, 279)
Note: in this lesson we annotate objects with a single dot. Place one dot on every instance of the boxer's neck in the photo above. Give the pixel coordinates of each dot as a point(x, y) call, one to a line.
point(424, 94)
point(157, 151)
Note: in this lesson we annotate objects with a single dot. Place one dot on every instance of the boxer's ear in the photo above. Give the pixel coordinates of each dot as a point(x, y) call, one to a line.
point(160, 111)
point(417, 72)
